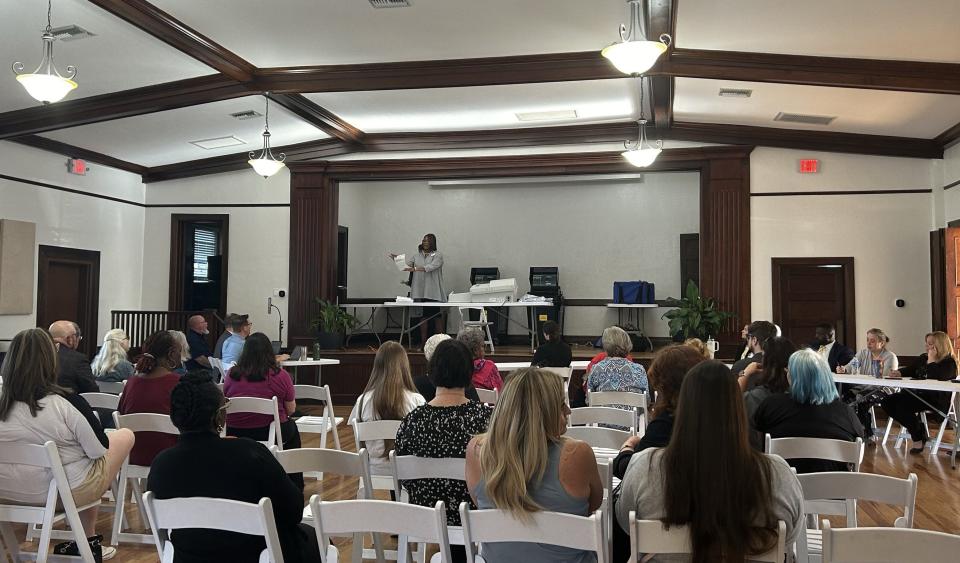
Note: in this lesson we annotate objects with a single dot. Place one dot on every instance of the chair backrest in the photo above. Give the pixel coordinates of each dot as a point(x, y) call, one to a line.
point(212, 514)
point(146, 422)
point(313, 392)
point(603, 415)
point(102, 400)
point(822, 490)
point(347, 517)
point(217, 365)
point(488, 396)
point(407, 467)
point(551, 528)
point(652, 536)
point(112, 387)
point(597, 437)
point(374, 430)
point(255, 405)
point(886, 545)
point(602, 398)
point(322, 460)
point(816, 448)
point(564, 373)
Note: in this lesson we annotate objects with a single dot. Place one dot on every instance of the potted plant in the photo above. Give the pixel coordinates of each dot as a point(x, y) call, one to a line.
point(330, 324)
point(694, 315)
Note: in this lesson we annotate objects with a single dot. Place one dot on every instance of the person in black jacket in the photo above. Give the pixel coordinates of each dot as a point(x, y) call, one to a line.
point(554, 352)
point(74, 368)
point(203, 464)
point(825, 343)
point(939, 363)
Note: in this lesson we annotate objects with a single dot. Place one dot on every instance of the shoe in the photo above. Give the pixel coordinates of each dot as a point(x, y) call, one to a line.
point(919, 449)
point(100, 553)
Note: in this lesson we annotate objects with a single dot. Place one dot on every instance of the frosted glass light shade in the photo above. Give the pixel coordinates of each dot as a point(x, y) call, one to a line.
point(46, 88)
point(641, 157)
point(634, 57)
point(266, 167)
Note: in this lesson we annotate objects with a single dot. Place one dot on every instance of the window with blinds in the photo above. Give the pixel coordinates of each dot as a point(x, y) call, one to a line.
point(205, 244)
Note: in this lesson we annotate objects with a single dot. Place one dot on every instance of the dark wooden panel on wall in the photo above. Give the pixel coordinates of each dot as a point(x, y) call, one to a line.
point(938, 280)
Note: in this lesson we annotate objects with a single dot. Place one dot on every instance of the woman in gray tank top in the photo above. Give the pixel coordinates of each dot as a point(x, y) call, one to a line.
point(551, 473)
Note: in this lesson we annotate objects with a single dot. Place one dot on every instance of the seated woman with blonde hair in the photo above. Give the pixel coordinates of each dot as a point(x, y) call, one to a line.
point(524, 464)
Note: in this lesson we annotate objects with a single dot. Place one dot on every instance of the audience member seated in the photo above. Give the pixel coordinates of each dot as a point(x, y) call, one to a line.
point(111, 363)
point(764, 381)
point(485, 372)
point(424, 386)
point(578, 381)
point(616, 372)
point(442, 428)
point(257, 374)
point(812, 409)
point(390, 395)
point(197, 332)
point(554, 352)
point(74, 368)
point(757, 333)
point(525, 438)
point(34, 410)
point(228, 322)
point(202, 464)
point(149, 391)
point(743, 351)
point(937, 362)
point(700, 346)
point(825, 343)
point(233, 346)
point(876, 361)
point(181, 338)
point(710, 479)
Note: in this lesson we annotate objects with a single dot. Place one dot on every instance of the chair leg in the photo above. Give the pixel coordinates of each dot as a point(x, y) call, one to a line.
point(138, 491)
point(901, 437)
point(939, 440)
point(886, 433)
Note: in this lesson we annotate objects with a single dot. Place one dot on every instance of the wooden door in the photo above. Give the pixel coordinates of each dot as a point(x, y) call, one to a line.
point(68, 288)
point(811, 291)
point(951, 249)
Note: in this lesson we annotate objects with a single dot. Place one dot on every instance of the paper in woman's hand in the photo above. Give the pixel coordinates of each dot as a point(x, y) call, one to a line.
point(401, 261)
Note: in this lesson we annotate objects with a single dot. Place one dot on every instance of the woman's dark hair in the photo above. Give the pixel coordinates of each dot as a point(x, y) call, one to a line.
point(451, 365)
point(710, 445)
point(159, 349)
point(257, 360)
point(195, 402)
point(776, 354)
point(552, 329)
point(667, 371)
point(29, 371)
point(432, 239)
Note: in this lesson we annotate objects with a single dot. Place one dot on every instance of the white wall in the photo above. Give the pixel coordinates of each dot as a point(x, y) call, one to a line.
point(887, 234)
point(77, 221)
point(258, 245)
point(595, 232)
point(949, 172)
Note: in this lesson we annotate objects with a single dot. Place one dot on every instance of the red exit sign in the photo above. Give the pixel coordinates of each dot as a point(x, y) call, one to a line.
point(77, 166)
point(809, 166)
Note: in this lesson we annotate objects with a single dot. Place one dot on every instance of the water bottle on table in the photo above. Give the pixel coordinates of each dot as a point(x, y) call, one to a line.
point(854, 366)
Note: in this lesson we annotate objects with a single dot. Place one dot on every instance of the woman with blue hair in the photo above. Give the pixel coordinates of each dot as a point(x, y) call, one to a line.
point(810, 409)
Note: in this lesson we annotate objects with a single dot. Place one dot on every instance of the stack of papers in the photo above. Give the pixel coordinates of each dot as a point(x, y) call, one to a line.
point(401, 262)
point(530, 298)
point(404, 299)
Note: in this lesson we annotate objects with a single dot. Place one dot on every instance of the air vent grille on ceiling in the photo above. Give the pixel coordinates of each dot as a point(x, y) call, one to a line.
point(390, 3)
point(218, 142)
point(71, 33)
point(801, 118)
point(242, 115)
point(547, 115)
point(735, 92)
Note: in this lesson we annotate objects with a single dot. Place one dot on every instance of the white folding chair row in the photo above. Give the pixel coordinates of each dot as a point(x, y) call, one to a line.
point(599, 437)
point(836, 493)
point(324, 424)
point(255, 405)
point(592, 416)
point(488, 396)
point(376, 430)
point(652, 536)
point(639, 402)
point(816, 448)
point(102, 400)
point(44, 458)
point(887, 545)
point(112, 387)
point(133, 475)
point(409, 467)
point(609, 482)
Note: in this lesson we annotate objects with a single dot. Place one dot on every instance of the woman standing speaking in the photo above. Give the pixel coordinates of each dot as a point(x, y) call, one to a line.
point(426, 283)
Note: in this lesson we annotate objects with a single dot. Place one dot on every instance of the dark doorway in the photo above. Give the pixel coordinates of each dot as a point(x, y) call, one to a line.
point(68, 288)
point(689, 260)
point(343, 240)
point(944, 279)
point(810, 291)
point(198, 262)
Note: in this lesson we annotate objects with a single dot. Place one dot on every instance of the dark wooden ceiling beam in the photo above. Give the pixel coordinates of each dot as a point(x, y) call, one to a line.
point(949, 137)
point(661, 17)
point(173, 32)
point(319, 117)
point(71, 151)
point(502, 138)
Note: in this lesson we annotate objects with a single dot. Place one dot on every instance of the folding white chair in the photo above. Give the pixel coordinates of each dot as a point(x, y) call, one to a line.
point(217, 365)
point(597, 437)
point(638, 401)
point(255, 405)
point(605, 466)
point(836, 493)
point(102, 400)
point(904, 434)
point(483, 324)
point(592, 416)
point(816, 448)
point(488, 396)
point(112, 387)
point(376, 430)
point(652, 536)
point(135, 474)
point(348, 517)
point(564, 373)
point(45, 458)
point(552, 528)
point(409, 467)
point(887, 545)
point(212, 514)
point(326, 422)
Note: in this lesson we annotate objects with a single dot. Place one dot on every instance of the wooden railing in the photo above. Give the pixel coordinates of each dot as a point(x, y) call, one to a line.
point(140, 324)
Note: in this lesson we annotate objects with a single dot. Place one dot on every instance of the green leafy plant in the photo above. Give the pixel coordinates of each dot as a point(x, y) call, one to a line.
point(332, 319)
point(694, 315)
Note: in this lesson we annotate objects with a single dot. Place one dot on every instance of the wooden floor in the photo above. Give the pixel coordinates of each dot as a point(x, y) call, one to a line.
point(937, 508)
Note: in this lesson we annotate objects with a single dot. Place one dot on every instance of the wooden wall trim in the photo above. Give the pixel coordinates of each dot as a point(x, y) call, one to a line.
point(49, 145)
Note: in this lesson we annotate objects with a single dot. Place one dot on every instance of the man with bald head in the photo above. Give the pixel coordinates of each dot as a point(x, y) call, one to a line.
point(74, 368)
point(197, 339)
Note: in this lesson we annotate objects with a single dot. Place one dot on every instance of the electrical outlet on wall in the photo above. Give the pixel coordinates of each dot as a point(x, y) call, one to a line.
point(279, 292)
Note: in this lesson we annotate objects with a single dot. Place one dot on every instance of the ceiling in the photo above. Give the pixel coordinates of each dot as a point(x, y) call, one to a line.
point(394, 96)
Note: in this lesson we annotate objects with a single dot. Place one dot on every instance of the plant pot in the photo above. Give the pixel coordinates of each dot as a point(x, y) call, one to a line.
point(329, 340)
point(678, 337)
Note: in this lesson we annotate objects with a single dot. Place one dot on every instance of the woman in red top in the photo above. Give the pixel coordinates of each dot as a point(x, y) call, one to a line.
point(149, 391)
point(485, 372)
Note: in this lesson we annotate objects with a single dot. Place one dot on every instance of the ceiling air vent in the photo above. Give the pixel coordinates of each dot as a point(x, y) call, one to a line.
point(807, 119)
point(218, 143)
point(735, 92)
point(547, 115)
point(71, 33)
point(243, 115)
point(390, 3)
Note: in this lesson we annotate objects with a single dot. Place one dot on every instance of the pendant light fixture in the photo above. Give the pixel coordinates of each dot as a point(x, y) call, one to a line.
point(266, 164)
point(635, 54)
point(46, 84)
point(643, 153)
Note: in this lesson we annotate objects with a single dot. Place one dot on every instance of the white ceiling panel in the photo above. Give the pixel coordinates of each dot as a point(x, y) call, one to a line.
point(483, 107)
point(871, 112)
point(164, 137)
point(919, 30)
point(312, 32)
point(120, 57)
